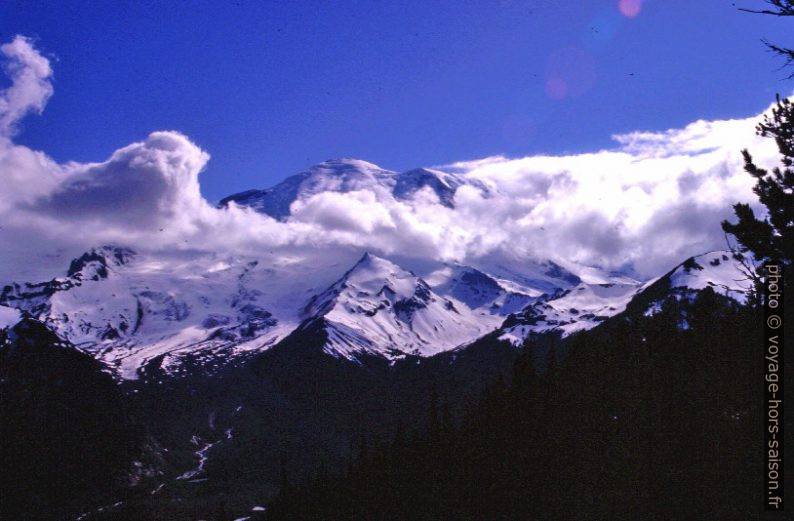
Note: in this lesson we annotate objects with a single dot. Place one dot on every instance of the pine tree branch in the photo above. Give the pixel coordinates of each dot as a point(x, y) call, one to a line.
point(786, 53)
point(783, 8)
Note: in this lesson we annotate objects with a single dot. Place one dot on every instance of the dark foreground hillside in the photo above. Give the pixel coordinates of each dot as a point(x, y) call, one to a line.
point(647, 417)
point(292, 410)
point(644, 417)
point(66, 440)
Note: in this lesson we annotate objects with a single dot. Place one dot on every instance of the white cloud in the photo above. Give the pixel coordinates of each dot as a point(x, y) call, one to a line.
point(142, 185)
point(358, 211)
point(653, 200)
point(31, 85)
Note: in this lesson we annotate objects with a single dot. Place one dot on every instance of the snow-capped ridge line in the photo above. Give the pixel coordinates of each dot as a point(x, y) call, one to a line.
point(588, 305)
point(348, 175)
point(148, 313)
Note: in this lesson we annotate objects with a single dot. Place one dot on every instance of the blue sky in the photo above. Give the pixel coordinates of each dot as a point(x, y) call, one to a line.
point(269, 88)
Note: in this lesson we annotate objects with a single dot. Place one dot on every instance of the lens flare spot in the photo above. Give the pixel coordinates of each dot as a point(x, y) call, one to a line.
point(570, 73)
point(629, 8)
point(556, 88)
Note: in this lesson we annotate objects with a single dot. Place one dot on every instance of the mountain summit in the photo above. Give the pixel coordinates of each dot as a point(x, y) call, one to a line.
point(349, 175)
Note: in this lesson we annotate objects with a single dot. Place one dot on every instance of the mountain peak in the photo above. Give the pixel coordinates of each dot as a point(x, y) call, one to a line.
point(347, 174)
point(371, 261)
point(346, 163)
point(378, 308)
point(371, 274)
point(333, 175)
point(95, 263)
point(716, 269)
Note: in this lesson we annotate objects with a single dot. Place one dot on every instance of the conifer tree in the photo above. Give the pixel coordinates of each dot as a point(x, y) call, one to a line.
point(772, 237)
point(778, 8)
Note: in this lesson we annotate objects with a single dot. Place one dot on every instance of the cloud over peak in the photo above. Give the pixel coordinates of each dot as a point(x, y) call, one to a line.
point(654, 199)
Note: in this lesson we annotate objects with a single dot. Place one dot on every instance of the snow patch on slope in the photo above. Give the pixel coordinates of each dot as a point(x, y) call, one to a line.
point(717, 270)
point(580, 308)
point(9, 317)
point(588, 305)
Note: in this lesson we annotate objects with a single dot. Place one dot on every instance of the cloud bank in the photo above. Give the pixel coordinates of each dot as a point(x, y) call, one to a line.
point(653, 200)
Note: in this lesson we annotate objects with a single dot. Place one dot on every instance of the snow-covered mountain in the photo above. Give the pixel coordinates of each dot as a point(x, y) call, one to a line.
point(378, 308)
point(143, 310)
point(483, 292)
point(582, 307)
point(587, 305)
point(717, 270)
point(130, 309)
point(349, 175)
point(135, 310)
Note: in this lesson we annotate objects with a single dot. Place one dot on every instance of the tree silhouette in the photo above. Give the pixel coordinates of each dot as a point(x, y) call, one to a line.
point(771, 238)
point(778, 8)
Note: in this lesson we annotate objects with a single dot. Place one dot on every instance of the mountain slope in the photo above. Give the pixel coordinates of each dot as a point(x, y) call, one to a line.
point(66, 439)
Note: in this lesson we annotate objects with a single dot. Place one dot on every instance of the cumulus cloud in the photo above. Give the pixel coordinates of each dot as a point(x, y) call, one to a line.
point(140, 185)
point(646, 204)
point(31, 85)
